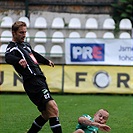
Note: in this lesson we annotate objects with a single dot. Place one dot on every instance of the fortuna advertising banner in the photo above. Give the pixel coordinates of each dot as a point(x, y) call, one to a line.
point(98, 79)
point(75, 79)
point(10, 81)
point(99, 51)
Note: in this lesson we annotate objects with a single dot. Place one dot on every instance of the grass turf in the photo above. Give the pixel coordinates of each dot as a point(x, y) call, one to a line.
point(17, 112)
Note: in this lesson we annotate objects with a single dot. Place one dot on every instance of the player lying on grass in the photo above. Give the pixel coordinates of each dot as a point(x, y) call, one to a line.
point(87, 124)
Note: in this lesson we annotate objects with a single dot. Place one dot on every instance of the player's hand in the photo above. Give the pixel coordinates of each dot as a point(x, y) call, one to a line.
point(104, 127)
point(51, 63)
point(23, 63)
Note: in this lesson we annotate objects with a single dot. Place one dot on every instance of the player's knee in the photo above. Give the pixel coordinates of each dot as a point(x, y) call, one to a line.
point(52, 108)
point(55, 110)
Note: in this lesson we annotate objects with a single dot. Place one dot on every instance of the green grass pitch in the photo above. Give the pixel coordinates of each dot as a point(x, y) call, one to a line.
point(17, 112)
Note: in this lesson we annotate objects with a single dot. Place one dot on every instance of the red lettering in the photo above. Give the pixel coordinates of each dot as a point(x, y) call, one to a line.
point(97, 54)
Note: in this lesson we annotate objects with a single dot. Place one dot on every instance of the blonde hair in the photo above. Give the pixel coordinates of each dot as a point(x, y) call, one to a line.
point(18, 24)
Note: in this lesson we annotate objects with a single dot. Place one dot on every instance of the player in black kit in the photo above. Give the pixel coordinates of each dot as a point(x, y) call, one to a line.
point(26, 62)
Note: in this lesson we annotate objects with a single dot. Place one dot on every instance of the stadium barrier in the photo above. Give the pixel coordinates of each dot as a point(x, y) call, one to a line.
point(75, 79)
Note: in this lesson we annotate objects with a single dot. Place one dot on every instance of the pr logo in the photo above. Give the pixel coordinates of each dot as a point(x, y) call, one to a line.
point(85, 52)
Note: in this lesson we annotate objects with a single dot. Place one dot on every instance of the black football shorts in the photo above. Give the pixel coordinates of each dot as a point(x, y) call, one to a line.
point(38, 91)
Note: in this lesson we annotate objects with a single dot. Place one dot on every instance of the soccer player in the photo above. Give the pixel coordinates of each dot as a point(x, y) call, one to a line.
point(26, 62)
point(87, 124)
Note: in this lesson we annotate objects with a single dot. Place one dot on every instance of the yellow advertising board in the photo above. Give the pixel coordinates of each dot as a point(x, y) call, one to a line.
point(10, 81)
point(98, 79)
point(75, 79)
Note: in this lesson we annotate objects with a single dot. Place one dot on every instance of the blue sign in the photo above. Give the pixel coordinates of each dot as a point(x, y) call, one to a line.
point(84, 52)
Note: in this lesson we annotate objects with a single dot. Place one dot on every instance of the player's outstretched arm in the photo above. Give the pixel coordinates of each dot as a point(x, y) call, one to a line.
point(87, 122)
point(104, 127)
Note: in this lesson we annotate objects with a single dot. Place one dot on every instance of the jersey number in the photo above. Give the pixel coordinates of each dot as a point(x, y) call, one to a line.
point(46, 93)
